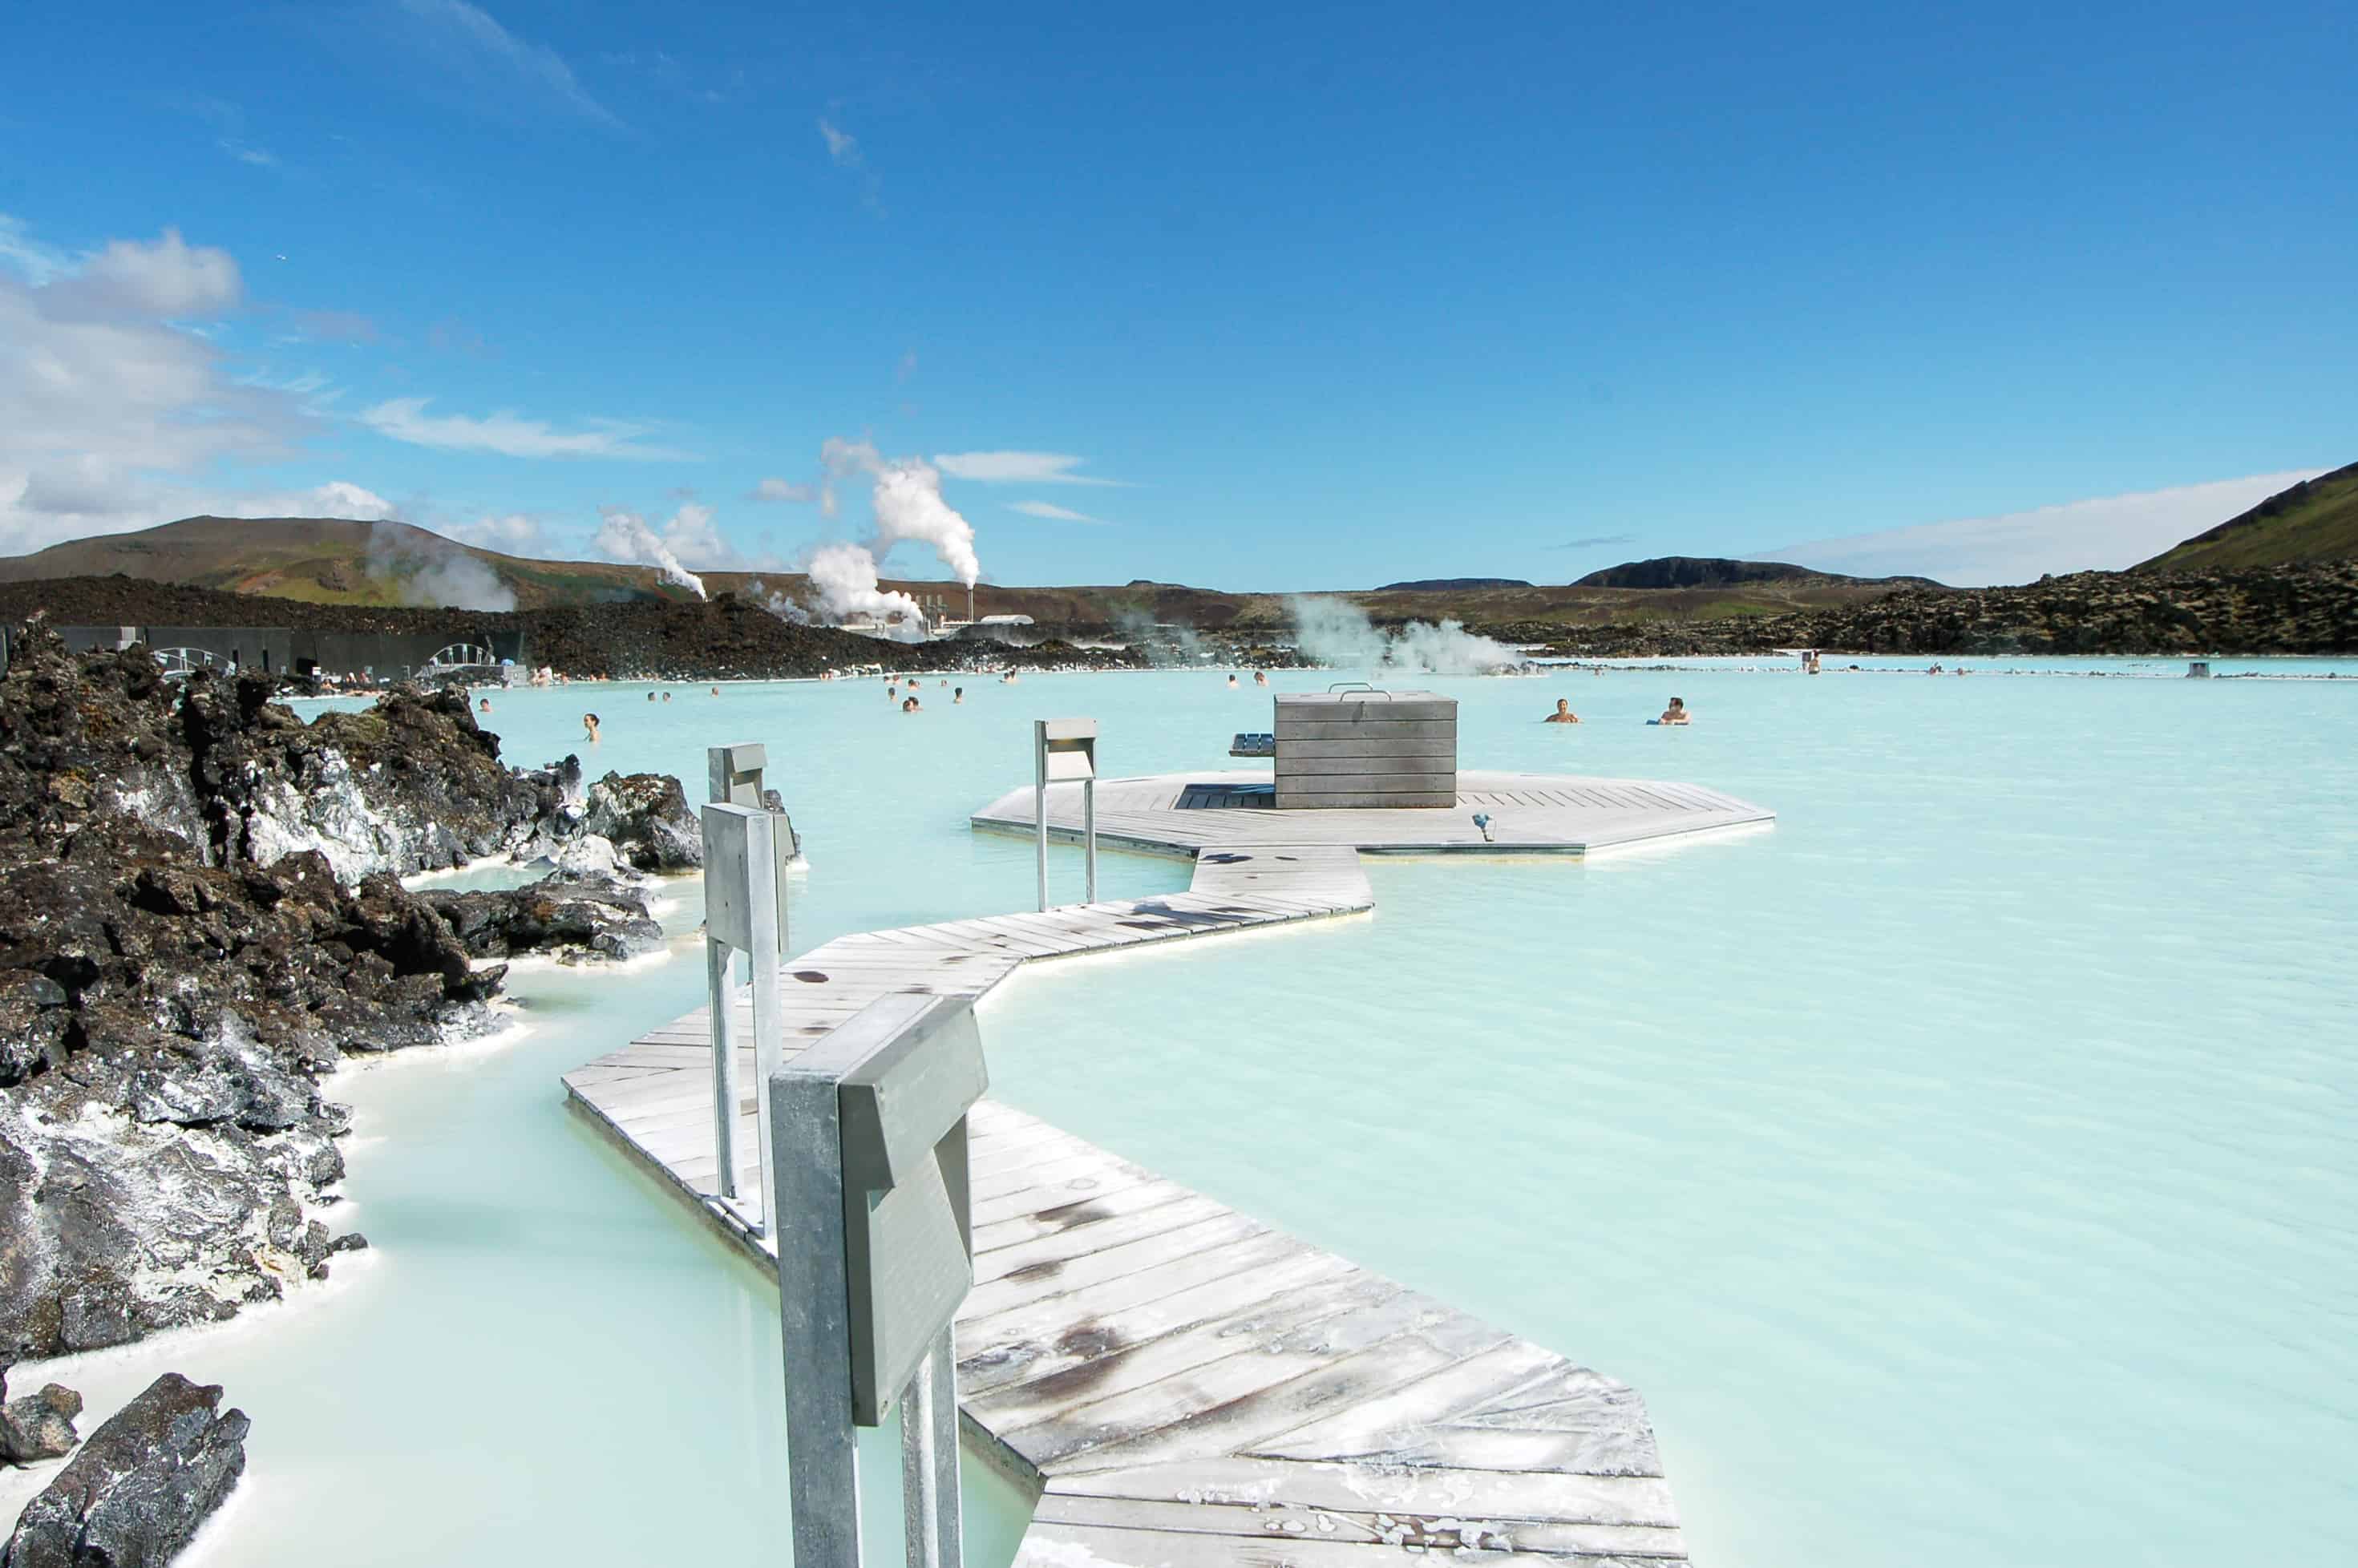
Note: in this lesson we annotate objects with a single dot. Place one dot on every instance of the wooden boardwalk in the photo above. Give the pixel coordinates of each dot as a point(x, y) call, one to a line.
point(1178, 814)
point(1179, 1383)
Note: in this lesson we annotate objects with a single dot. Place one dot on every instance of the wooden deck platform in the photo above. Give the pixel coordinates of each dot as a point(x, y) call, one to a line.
point(1178, 814)
point(1181, 1384)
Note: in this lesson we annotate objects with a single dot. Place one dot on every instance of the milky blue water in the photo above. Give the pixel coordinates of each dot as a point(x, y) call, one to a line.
point(1962, 1168)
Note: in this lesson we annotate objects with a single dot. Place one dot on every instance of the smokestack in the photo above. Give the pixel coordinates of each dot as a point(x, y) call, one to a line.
point(969, 602)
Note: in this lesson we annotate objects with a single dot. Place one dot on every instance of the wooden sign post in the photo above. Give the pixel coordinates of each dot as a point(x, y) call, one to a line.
point(1064, 749)
point(868, 1139)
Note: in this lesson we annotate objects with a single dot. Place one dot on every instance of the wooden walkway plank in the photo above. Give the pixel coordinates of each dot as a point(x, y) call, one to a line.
point(1189, 1386)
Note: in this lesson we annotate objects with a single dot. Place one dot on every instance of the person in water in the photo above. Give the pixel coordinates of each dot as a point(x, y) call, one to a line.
point(590, 727)
point(716, 691)
point(1261, 677)
point(958, 695)
point(484, 706)
point(1676, 713)
point(666, 697)
point(1562, 714)
point(908, 705)
point(1232, 683)
point(651, 697)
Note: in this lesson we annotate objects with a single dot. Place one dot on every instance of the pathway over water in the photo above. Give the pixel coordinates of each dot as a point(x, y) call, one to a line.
point(1172, 1375)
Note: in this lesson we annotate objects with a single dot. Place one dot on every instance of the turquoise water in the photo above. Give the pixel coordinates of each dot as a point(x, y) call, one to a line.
point(1961, 1168)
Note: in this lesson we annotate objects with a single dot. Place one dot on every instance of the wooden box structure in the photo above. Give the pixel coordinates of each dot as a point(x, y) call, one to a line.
point(1365, 748)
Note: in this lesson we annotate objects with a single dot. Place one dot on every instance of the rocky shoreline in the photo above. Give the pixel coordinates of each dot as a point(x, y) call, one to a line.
point(2276, 609)
point(200, 917)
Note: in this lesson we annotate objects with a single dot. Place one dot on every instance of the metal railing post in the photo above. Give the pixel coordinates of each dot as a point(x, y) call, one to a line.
point(718, 960)
point(929, 1478)
point(874, 1241)
point(814, 1294)
point(1065, 751)
point(733, 776)
point(762, 905)
point(1040, 803)
point(1089, 838)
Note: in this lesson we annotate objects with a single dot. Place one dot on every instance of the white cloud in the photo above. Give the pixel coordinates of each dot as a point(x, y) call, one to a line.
point(508, 434)
point(467, 43)
point(111, 414)
point(782, 491)
point(695, 541)
point(339, 498)
point(515, 533)
point(2106, 534)
point(841, 146)
point(1058, 514)
point(160, 280)
point(1016, 468)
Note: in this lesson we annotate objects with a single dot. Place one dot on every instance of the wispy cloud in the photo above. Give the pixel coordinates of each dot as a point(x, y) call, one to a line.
point(2103, 534)
point(1596, 541)
point(468, 44)
point(510, 435)
point(843, 149)
point(514, 533)
point(332, 325)
point(116, 413)
point(247, 153)
point(452, 336)
point(783, 492)
point(1056, 514)
point(1017, 468)
point(28, 257)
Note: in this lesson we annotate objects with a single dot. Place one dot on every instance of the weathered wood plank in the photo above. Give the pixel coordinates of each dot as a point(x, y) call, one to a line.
point(1133, 1338)
point(1639, 1500)
point(1447, 1529)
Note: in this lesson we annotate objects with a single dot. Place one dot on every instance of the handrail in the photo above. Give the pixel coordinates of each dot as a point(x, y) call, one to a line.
point(1357, 684)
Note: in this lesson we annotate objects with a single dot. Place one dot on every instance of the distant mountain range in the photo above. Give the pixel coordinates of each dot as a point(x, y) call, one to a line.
point(1719, 571)
point(2312, 522)
point(337, 561)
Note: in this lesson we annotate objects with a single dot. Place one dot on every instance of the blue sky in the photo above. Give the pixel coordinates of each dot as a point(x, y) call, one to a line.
point(1317, 298)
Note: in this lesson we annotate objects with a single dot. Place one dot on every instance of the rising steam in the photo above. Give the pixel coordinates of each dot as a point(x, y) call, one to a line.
point(625, 536)
point(1336, 632)
point(428, 569)
point(845, 579)
point(909, 507)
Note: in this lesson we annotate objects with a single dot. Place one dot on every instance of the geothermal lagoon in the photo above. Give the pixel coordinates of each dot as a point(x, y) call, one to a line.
point(1959, 1167)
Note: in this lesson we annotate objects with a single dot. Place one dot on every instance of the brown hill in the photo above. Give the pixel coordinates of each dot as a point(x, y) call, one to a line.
point(2316, 520)
point(1719, 571)
point(356, 565)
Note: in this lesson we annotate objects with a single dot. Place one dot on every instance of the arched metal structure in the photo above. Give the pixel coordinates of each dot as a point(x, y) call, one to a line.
point(462, 655)
point(187, 661)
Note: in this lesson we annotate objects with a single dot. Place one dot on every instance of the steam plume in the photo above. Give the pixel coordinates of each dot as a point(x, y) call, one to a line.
point(424, 569)
point(625, 536)
point(909, 504)
point(845, 576)
point(1336, 632)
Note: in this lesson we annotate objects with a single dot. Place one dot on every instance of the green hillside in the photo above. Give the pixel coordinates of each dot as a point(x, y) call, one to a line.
point(2313, 521)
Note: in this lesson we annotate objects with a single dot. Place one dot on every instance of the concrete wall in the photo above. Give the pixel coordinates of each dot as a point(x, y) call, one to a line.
point(280, 649)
